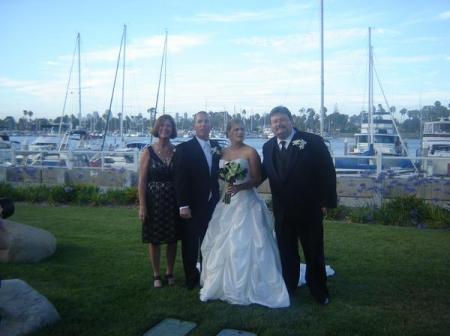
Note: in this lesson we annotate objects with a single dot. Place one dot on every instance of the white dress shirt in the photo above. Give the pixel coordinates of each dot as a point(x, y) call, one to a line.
point(206, 147)
point(287, 140)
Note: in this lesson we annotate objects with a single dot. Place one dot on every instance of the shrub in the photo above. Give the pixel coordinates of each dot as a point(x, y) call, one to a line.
point(403, 211)
point(400, 211)
point(112, 197)
point(86, 194)
point(70, 194)
point(132, 195)
point(6, 190)
point(342, 212)
point(61, 194)
point(412, 211)
point(364, 214)
point(437, 217)
point(36, 194)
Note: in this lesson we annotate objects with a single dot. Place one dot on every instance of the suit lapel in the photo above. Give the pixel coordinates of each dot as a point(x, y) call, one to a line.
point(214, 158)
point(197, 149)
point(270, 157)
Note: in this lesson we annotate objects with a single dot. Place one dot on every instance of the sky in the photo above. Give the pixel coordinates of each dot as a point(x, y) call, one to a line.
point(222, 55)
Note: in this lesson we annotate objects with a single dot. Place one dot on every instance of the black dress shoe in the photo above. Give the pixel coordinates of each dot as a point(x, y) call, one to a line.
point(292, 292)
point(192, 285)
point(325, 301)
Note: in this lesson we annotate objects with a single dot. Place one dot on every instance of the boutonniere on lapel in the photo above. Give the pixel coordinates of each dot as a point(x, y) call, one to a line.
point(299, 143)
point(215, 150)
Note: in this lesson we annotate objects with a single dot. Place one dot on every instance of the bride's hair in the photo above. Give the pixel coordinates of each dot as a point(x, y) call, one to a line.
point(231, 123)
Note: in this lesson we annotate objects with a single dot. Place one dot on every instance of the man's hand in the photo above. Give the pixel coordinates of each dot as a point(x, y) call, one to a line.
point(185, 213)
point(324, 211)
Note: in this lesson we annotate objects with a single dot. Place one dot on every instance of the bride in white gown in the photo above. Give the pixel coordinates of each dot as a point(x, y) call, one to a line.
point(241, 263)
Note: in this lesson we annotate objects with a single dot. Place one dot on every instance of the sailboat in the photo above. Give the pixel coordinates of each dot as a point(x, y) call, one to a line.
point(379, 132)
point(123, 155)
point(379, 135)
point(54, 142)
point(70, 139)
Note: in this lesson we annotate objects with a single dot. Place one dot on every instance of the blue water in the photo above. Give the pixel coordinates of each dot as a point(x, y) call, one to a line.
point(337, 144)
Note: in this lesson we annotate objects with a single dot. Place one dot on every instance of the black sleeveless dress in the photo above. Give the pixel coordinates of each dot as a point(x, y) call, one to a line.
point(162, 223)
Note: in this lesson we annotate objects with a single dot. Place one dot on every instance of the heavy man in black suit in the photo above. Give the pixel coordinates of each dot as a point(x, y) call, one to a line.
point(196, 165)
point(303, 183)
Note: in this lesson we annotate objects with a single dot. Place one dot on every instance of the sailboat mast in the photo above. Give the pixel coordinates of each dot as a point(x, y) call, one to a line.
point(370, 107)
point(159, 82)
point(79, 78)
point(123, 80)
point(68, 85)
point(225, 121)
point(165, 74)
point(112, 94)
point(322, 81)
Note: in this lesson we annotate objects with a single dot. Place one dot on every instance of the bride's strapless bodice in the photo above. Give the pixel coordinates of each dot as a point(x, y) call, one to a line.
point(244, 165)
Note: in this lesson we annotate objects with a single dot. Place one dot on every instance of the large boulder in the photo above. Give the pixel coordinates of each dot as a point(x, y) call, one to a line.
point(22, 309)
point(20, 243)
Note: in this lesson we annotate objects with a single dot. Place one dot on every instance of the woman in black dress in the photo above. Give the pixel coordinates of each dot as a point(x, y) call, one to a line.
point(158, 210)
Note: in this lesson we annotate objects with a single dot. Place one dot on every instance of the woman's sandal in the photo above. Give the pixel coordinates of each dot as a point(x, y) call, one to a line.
point(157, 283)
point(170, 279)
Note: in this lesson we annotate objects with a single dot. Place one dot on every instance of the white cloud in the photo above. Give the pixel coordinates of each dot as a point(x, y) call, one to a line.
point(262, 15)
point(13, 84)
point(52, 63)
point(144, 48)
point(97, 75)
point(309, 41)
point(444, 15)
point(420, 40)
point(34, 87)
point(409, 59)
point(256, 82)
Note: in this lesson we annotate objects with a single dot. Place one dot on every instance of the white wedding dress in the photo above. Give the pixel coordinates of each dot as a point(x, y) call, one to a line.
point(241, 262)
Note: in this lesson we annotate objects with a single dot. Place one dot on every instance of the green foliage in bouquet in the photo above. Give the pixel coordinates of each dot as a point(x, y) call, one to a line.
point(230, 173)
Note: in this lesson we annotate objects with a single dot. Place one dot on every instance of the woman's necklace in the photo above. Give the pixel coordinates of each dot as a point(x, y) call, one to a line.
point(165, 154)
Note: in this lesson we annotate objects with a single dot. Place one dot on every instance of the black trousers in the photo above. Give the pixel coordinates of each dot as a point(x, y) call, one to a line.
point(192, 233)
point(309, 230)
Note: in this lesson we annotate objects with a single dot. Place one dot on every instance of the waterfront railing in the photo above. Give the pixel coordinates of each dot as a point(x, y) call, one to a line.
point(129, 160)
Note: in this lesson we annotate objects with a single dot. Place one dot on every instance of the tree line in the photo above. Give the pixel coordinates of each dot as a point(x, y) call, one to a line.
point(306, 119)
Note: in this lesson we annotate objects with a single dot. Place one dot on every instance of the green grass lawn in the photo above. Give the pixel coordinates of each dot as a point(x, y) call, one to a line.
point(389, 281)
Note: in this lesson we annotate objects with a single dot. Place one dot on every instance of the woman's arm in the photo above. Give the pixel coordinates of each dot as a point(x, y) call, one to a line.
point(254, 163)
point(255, 168)
point(142, 186)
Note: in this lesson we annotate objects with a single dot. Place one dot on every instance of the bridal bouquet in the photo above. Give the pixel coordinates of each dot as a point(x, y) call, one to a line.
point(230, 173)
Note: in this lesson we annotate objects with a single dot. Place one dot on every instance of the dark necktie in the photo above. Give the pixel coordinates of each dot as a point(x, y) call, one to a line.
point(283, 156)
point(283, 148)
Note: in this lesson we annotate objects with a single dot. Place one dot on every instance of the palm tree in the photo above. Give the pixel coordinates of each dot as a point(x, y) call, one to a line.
point(9, 123)
point(403, 111)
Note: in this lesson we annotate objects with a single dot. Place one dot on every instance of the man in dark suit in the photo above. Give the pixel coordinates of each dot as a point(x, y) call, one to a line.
point(196, 166)
point(303, 184)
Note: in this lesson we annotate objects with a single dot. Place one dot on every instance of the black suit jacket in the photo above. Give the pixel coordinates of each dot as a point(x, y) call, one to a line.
point(310, 179)
point(193, 181)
